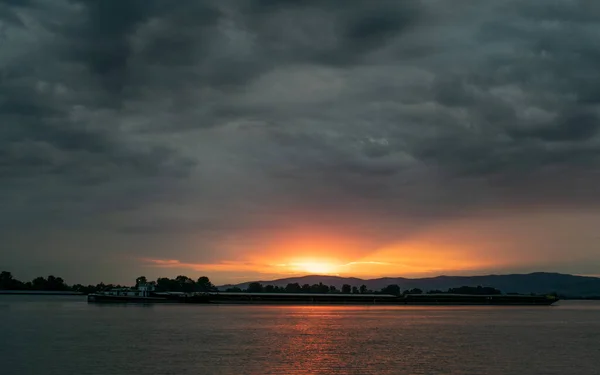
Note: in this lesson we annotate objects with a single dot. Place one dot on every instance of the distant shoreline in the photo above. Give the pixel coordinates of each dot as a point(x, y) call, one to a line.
point(40, 293)
point(562, 286)
point(67, 293)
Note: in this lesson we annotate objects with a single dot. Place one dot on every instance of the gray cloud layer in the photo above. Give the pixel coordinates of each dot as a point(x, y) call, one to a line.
point(210, 117)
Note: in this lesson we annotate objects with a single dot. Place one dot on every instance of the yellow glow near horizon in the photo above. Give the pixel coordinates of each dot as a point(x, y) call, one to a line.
point(312, 266)
point(470, 246)
point(318, 268)
point(452, 249)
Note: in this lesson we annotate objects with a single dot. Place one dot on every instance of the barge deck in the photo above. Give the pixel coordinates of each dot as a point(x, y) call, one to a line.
point(147, 296)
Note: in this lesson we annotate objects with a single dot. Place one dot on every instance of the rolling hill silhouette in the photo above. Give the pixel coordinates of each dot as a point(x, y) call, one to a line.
point(537, 282)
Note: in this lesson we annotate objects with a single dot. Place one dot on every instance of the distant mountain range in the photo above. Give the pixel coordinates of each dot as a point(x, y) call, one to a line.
point(538, 282)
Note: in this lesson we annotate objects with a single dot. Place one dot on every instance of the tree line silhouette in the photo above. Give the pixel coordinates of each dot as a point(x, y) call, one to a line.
point(51, 283)
point(393, 289)
point(186, 284)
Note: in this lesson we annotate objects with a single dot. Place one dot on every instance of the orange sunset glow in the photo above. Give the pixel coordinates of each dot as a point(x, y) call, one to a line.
point(460, 247)
point(415, 257)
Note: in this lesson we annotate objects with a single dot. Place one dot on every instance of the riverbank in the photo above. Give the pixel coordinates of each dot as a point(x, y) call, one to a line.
point(40, 293)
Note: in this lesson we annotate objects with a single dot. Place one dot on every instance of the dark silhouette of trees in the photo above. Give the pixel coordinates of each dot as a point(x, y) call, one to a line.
point(184, 284)
point(8, 282)
point(141, 281)
point(204, 285)
point(51, 283)
point(293, 288)
point(255, 288)
point(56, 283)
point(5, 277)
point(165, 284)
point(391, 289)
point(319, 288)
point(39, 283)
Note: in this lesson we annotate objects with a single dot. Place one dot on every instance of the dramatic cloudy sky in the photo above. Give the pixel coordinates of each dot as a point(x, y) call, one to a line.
point(247, 139)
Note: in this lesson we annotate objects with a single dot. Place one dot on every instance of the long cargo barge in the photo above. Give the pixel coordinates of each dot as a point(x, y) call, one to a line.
point(379, 299)
point(146, 294)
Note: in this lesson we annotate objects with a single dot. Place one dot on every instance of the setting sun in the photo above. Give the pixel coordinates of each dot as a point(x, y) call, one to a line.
point(315, 267)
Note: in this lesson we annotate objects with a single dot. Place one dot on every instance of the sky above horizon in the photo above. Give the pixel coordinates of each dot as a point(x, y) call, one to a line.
point(260, 139)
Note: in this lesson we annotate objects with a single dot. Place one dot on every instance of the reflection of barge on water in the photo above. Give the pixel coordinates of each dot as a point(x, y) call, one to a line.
point(146, 294)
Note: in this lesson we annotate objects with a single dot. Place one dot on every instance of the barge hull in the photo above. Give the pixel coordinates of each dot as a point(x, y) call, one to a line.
point(126, 299)
point(99, 298)
point(330, 299)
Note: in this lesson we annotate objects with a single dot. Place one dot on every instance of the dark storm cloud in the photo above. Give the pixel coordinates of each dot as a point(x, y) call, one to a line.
point(578, 126)
point(217, 116)
point(325, 32)
point(101, 38)
point(8, 16)
point(57, 139)
point(40, 136)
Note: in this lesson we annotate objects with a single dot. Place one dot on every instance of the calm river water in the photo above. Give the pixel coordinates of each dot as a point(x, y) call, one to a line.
point(66, 335)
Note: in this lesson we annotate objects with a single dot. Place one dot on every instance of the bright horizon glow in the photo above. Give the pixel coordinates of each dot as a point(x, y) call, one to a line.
point(459, 247)
point(315, 267)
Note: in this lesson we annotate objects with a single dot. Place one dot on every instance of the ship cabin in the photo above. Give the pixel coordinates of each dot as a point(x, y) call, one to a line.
point(141, 291)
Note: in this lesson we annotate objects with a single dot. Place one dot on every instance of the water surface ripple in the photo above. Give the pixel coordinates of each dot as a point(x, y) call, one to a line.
point(65, 335)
